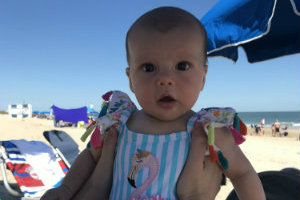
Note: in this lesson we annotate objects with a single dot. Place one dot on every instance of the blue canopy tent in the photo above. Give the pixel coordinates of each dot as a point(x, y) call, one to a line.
point(265, 29)
point(70, 115)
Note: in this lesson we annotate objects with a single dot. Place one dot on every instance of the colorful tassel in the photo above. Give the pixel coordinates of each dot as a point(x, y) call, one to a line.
point(243, 127)
point(88, 131)
point(211, 135)
point(96, 140)
point(88, 145)
point(91, 124)
point(212, 154)
point(223, 161)
point(104, 108)
point(238, 138)
point(107, 95)
point(236, 122)
point(211, 141)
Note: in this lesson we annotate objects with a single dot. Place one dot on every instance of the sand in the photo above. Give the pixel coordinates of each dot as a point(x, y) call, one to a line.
point(264, 152)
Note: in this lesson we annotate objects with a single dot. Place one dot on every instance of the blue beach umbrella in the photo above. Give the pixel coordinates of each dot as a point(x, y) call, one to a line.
point(265, 29)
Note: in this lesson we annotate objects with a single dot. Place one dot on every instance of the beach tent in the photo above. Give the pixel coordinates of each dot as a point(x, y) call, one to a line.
point(265, 29)
point(70, 115)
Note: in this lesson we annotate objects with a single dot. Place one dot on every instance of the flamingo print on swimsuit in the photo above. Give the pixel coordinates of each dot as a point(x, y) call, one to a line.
point(143, 159)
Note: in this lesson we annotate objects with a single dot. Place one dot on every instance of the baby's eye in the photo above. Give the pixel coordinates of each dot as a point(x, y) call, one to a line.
point(183, 66)
point(148, 67)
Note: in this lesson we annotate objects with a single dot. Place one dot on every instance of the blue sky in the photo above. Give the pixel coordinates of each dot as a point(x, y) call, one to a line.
point(68, 53)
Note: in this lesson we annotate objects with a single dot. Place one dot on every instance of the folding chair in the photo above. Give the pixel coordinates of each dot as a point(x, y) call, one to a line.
point(35, 166)
point(64, 152)
point(64, 145)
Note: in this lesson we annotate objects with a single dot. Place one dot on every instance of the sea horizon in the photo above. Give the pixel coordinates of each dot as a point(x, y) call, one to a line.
point(286, 118)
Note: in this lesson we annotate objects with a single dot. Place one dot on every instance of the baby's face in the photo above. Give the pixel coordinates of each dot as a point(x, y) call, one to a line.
point(167, 70)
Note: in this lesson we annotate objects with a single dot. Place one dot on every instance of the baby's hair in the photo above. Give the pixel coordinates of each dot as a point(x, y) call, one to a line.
point(166, 19)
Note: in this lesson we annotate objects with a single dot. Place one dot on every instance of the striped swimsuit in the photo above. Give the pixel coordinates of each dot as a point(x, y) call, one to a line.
point(147, 166)
point(170, 150)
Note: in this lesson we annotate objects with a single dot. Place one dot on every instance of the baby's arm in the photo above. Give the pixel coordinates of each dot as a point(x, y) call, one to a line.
point(241, 173)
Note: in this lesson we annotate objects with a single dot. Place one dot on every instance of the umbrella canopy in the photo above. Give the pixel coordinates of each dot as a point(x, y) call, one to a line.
point(266, 29)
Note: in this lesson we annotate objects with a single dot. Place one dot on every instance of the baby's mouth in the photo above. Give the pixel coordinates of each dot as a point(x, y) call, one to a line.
point(166, 99)
point(166, 102)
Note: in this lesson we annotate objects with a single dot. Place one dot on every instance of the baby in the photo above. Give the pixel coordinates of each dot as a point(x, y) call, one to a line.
point(166, 54)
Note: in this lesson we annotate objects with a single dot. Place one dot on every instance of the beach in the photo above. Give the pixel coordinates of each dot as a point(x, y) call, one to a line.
point(264, 152)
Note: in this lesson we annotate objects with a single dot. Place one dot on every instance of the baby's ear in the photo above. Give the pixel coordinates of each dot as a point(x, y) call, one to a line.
point(129, 78)
point(204, 76)
point(205, 70)
point(127, 71)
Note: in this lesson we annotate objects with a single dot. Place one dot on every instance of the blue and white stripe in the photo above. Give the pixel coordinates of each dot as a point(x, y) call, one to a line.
point(171, 151)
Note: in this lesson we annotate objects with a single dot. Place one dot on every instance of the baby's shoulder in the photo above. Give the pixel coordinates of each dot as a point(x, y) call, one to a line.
point(134, 121)
point(116, 109)
point(224, 115)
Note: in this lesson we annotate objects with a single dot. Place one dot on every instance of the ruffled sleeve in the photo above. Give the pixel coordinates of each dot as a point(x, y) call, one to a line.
point(220, 117)
point(117, 107)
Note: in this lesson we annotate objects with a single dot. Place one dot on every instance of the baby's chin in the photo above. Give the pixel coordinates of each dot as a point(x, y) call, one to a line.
point(170, 117)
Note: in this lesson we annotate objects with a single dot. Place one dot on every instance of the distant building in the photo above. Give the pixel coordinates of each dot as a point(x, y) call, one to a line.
point(20, 110)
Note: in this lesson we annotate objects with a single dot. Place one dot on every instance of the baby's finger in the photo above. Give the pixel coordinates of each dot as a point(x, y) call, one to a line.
point(198, 146)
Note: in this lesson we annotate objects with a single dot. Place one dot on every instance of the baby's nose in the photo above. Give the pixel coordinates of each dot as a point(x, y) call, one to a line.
point(165, 79)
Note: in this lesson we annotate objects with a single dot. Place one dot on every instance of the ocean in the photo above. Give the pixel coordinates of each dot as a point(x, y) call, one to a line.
point(290, 119)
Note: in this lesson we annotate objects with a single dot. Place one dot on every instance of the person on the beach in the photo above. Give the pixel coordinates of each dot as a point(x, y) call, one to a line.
point(277, 128)
point(262, 122)
point(273, 130)
point(262, 125)
point(166, 54)
point(257, 129)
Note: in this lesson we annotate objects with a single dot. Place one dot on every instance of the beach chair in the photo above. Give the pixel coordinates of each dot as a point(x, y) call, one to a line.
point(53, 162)
point(35, 166)
point(65, 146)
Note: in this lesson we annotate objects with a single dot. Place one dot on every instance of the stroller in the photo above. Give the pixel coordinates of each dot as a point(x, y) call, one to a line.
point(35, 165)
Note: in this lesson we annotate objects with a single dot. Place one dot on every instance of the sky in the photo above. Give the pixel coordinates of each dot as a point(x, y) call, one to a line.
point(69, 52)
